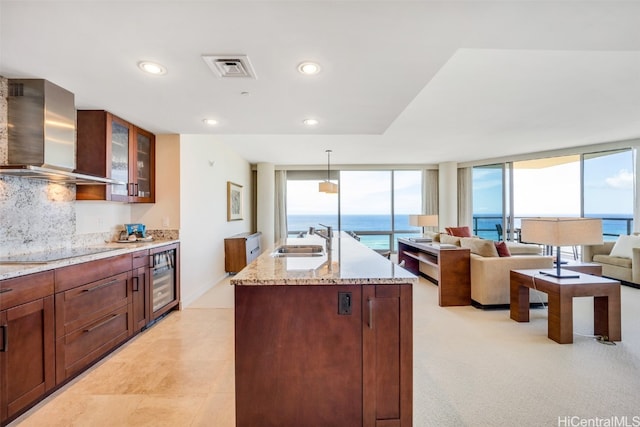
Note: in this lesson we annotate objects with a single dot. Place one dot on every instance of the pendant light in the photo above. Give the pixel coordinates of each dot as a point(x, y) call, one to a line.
point(327, 186)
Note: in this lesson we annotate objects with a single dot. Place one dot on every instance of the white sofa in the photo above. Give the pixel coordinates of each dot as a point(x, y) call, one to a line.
point(490, 277)
point(490, 273)
point(625, 268)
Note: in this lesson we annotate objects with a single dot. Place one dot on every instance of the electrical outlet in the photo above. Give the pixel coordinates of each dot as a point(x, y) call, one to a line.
point(344, 303)
point(165, 221)
point(100, 222)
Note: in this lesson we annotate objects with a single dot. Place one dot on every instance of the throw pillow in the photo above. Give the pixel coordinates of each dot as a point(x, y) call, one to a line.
point(451, 240)
point(481, 247)
point(623, 247)
point(503, 249)
point(433, 235)
point(459, 231)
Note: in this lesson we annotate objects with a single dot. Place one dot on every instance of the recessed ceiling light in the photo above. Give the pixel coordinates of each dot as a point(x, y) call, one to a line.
point(309, 68)
point(210, 122)
point(310, 122)
point(152, 68)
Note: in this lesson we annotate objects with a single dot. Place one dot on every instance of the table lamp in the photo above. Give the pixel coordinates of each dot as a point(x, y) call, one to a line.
point(423, 221)
point(561, 232)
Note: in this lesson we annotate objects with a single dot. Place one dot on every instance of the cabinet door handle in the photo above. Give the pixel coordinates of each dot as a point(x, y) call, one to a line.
point(104, 285)
point(104, 322)
point(151, 263)
point(370, 303)
point(2, 291)
point(130, 189)
point(136, 288)
point(5, 338)
point(136, 190)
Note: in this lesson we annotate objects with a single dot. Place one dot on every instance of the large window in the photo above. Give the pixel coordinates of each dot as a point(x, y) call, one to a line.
point(547, 187)
point(306, 206)
point(488, 189)
point(373, 204)
point(608, 191)
point(595, 185)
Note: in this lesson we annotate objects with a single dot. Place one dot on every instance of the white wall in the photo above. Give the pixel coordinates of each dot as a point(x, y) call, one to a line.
point(203, 210)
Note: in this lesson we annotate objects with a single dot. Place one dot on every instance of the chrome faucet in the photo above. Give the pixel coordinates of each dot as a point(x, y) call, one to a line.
point(326, 236)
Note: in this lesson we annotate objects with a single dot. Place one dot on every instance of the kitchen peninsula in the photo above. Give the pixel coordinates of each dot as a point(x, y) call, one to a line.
point(323, 340)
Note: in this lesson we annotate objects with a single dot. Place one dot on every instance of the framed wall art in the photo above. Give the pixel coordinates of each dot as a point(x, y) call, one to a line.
point(234, 201)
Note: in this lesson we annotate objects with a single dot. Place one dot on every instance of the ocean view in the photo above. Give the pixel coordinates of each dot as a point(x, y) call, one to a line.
point(613, 225)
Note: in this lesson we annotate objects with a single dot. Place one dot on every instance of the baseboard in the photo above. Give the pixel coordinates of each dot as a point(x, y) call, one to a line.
point(629, 284)
point(623, 282)
point(476, 304)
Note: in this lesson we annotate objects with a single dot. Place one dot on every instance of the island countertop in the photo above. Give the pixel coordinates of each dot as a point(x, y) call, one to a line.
point(350, 263)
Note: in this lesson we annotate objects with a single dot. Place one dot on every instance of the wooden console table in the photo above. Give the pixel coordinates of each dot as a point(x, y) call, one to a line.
point(606, 302)
point(448, 267)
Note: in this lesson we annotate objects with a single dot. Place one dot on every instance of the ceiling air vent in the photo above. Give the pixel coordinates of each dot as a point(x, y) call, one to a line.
point(230, 65)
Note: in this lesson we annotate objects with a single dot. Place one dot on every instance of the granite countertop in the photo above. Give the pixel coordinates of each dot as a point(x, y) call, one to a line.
point(350, 263)
point(8, 271)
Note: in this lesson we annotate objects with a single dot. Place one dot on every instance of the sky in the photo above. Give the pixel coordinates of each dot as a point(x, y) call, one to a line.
point(361, 193)
point(550, 191)
point(556, 190)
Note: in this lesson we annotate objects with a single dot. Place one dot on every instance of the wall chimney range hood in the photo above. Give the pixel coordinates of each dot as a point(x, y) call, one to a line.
point(41, 121)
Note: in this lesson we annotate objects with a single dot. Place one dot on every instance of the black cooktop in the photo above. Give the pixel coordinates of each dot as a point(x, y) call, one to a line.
point(49, 256)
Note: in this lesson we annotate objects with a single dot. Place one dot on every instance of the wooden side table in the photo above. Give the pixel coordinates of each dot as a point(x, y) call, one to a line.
point(447, 266)
point(606, 302)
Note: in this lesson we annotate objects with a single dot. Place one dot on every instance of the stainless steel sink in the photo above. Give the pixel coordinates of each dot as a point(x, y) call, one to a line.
point(298, 251)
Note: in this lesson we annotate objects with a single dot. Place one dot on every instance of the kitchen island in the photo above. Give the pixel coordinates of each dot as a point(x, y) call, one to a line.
point(324, 340)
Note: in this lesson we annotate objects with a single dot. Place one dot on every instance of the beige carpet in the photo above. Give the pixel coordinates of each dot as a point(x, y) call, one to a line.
point(471, 368)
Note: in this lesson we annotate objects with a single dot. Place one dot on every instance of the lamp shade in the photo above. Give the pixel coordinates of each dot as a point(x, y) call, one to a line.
point(328, 187)
point(562, 231)
point(423, 220)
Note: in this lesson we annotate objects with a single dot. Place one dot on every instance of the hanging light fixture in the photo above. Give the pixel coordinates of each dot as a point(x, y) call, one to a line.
point(327, 186)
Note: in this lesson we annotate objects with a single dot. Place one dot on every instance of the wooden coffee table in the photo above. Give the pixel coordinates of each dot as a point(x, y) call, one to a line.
point(606, 302)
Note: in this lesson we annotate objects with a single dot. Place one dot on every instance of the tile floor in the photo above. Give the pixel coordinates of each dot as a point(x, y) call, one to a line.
point(471, 368)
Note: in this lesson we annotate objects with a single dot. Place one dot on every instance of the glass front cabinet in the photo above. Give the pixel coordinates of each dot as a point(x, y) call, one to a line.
point(111, 147)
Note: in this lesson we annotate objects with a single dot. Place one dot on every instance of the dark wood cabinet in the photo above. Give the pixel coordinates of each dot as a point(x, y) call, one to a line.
point(112, 147)
point(27, 359)
point(140, 290)
point(387, 357)
point(240, 250)
point(448, 267)
point(55, 324)
point(92, 312)
point(323, 355)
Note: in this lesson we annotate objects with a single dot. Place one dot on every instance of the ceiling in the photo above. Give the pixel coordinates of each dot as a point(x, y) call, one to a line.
point(415, 82)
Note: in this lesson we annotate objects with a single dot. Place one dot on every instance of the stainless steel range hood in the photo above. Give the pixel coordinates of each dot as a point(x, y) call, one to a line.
point(42, 134)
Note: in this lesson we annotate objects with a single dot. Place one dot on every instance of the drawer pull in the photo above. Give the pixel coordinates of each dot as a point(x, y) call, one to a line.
point(104, 285)
point(370, 301)
point(136, 288)
point(5, 338)
point(104, 322)
point(2, 291)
